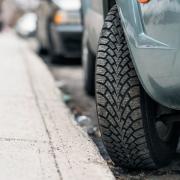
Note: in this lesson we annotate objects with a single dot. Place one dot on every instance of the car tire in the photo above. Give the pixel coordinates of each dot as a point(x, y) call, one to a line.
point(88, 59)
point(53, 58)
point(127, 115)
point(41, 50)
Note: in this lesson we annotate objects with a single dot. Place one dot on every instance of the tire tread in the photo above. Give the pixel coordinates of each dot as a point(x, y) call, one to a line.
point(118, 99)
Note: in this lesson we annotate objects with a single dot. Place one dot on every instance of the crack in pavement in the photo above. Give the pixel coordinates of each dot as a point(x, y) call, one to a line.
point(22, 140)
point(27, 65)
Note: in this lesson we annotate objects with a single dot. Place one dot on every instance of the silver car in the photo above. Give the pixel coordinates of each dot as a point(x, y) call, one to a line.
point(137, 66)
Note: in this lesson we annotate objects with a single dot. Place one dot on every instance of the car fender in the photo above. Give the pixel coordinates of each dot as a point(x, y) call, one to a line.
point(156, 62)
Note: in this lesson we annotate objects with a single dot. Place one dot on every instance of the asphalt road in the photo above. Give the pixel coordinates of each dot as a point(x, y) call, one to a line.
point(69, 78)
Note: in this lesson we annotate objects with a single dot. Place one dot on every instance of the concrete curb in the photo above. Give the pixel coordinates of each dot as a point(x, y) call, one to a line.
point(74, 154)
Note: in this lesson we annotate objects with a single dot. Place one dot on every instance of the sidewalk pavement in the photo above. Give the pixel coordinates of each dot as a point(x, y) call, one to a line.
point(38, 138)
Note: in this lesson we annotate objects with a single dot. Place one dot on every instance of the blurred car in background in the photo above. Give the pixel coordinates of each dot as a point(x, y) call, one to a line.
point(93, 14)
point(59, 28)
point(26, 26)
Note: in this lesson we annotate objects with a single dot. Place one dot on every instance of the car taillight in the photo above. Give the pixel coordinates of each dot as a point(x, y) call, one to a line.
point(67, 17)
point(143, 1)
point(58, 18)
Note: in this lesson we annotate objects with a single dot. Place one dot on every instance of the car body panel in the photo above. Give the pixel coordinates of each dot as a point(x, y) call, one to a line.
point(93, 21)
point(152, 32)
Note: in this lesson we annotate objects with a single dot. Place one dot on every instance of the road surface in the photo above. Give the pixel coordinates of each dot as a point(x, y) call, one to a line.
point(70, 79)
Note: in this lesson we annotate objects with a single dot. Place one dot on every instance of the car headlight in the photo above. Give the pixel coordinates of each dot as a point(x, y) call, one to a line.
point(67, 17)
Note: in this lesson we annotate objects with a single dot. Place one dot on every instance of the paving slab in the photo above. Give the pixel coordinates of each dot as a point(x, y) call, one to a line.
point(38, 137)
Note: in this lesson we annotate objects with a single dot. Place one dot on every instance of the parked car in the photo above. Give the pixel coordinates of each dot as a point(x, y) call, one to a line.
point(137, 77)
point(93, 16)
point(60, 28)
point(27, 25)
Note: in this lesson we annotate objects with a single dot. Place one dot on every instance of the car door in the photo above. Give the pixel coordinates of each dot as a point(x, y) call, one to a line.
point(93, 21)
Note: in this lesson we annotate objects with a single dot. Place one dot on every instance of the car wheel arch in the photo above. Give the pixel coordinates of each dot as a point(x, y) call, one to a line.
point(140, 45)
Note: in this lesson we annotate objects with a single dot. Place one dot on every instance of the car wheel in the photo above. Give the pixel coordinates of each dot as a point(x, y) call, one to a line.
point(53, 58)
point(132, 132)
point(88, 59)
